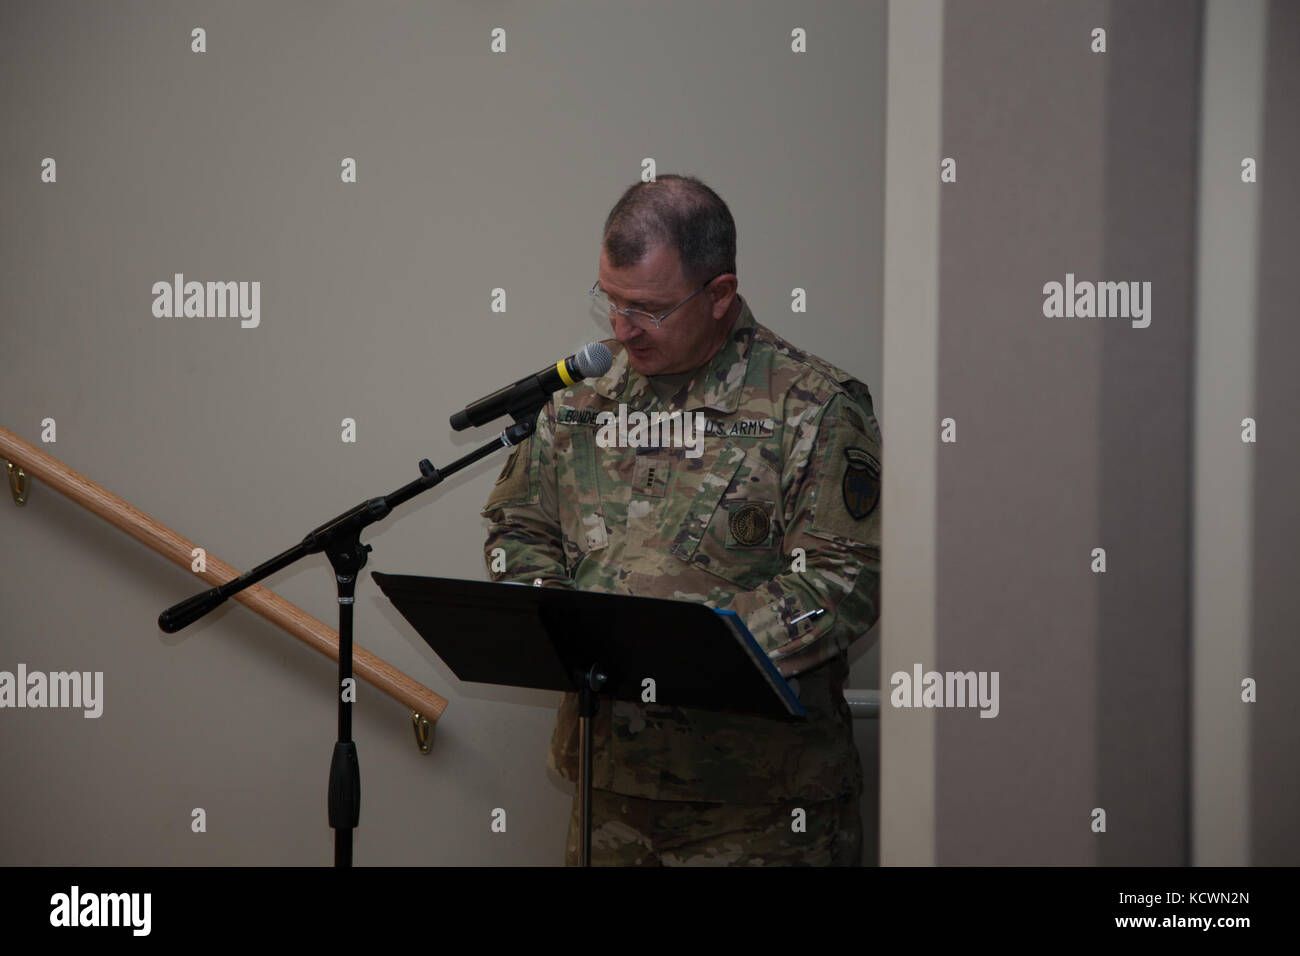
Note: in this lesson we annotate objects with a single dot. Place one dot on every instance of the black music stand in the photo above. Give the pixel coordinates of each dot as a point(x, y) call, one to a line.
point(592, 644)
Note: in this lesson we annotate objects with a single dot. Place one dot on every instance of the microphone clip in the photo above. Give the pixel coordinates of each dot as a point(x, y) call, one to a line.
point(521, 429)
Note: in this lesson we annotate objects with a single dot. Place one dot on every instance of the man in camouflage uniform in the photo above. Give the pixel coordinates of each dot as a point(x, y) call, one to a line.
point(778, 519)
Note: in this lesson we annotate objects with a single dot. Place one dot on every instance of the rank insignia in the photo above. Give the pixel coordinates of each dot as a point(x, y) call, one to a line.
point(861, 482)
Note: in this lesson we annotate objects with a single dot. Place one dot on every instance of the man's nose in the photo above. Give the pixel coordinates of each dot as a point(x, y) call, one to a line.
point(624, 329)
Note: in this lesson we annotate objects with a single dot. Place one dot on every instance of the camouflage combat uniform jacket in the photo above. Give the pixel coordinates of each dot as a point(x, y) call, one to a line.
point(779, 516)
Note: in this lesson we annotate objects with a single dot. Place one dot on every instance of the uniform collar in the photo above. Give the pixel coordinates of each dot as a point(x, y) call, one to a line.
point(716, 385)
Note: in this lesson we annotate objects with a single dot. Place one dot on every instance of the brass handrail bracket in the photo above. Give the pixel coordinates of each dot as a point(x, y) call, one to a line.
point(19, 482)
point(423, 732)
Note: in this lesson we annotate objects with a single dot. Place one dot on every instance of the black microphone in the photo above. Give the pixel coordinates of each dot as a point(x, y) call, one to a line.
point(592, 361)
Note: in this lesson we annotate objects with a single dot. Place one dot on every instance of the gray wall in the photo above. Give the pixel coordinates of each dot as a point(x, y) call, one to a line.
point(476, 171)
point(1017, 494)
point(1120, 691)
point(1275, 600)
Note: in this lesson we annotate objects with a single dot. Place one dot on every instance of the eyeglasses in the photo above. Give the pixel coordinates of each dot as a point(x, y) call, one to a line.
point(639, 317)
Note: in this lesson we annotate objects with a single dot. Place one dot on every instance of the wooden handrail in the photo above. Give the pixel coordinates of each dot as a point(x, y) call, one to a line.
point(261, 600)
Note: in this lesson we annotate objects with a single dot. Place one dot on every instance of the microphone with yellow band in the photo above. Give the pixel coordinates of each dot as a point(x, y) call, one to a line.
point(530, 393)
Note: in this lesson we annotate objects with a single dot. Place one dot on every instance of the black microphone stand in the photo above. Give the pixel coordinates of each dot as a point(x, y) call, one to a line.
point(340, 539)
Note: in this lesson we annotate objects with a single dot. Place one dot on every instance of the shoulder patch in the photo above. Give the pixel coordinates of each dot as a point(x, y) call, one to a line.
point(860, 483)
point(848, 478)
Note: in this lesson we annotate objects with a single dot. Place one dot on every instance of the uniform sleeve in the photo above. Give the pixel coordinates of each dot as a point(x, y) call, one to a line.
point(831, 488)
point(522, 513)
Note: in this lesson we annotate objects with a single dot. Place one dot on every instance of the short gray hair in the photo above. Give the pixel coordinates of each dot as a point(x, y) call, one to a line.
point(678, 210)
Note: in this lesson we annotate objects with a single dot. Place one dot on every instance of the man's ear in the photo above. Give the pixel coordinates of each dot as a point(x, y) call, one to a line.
point(723, 292)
